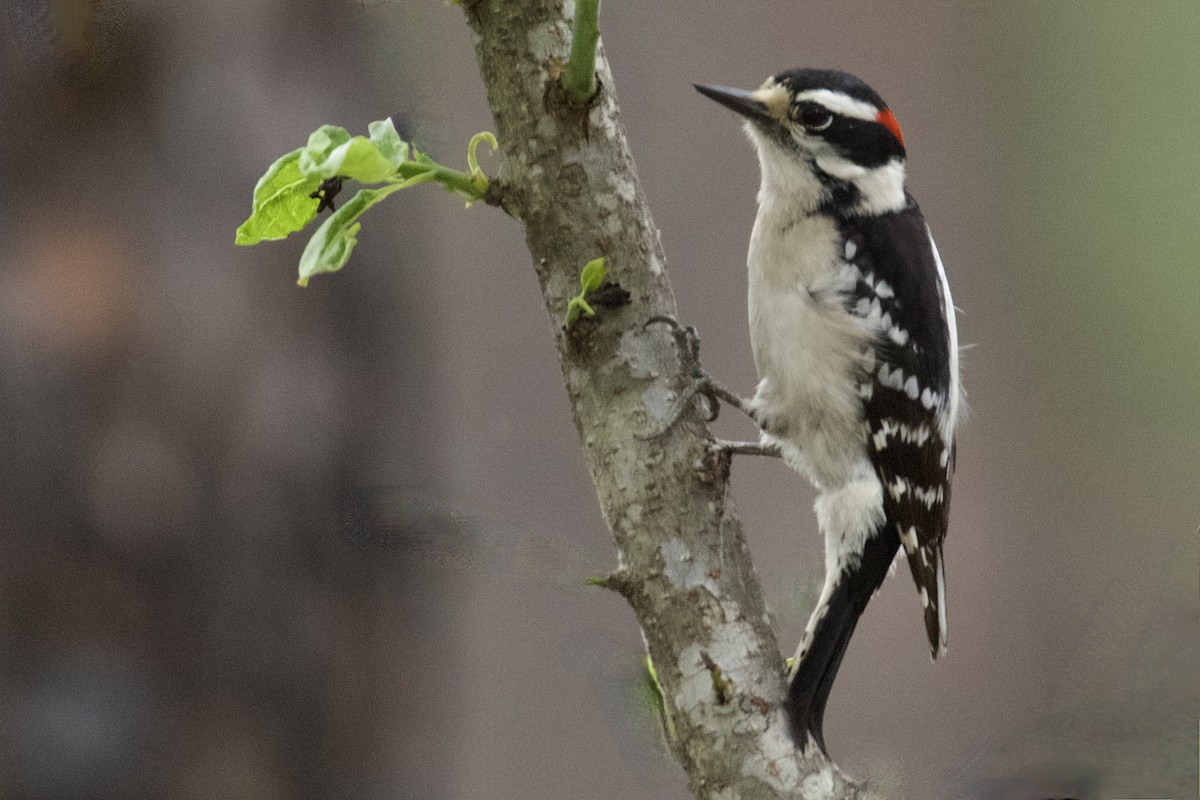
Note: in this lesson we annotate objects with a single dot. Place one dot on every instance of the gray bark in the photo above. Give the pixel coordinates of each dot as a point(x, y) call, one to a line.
point(683, 564)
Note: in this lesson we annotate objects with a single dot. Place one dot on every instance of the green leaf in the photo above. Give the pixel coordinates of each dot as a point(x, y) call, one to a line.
point(281, 202)
point(324, 139)
point(284, 202)
point(330, 247)
point(589, 281)
point(577, 307)
point(358, 159)
point(384, 136)
point(592, 275)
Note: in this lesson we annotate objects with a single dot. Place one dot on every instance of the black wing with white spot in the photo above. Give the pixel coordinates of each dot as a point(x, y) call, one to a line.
point(911, 396)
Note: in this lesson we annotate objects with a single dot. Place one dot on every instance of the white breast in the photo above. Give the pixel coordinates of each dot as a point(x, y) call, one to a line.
point(808, 349)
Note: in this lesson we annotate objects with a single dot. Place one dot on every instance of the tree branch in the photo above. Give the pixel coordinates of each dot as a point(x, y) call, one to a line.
point(683, 562)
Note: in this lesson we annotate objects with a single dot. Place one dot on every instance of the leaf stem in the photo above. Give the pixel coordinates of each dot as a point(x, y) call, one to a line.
point(415, 172)
point(579, 79)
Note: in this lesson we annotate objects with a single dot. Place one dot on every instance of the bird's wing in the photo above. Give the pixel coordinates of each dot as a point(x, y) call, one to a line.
point(911, 393)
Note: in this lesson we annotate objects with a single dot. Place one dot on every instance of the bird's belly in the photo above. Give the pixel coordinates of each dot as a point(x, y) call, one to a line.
point(811, 359)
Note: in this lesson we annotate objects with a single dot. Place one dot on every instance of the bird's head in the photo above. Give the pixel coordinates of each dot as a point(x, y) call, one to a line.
point(823, 136)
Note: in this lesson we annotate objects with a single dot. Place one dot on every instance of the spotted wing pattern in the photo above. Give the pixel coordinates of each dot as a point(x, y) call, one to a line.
point(909, 396)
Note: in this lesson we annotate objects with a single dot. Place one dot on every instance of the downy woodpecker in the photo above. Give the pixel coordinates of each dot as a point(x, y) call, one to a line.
point(854, 339)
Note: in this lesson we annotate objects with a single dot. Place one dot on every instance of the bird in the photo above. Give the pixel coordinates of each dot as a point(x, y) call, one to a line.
point(855, 342)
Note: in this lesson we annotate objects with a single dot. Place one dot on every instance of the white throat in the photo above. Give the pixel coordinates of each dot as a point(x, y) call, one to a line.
point(785, 180)
point(793, 182)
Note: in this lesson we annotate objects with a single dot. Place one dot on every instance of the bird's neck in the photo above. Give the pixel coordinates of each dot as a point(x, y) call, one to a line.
point(871, 190)
point(796, 186)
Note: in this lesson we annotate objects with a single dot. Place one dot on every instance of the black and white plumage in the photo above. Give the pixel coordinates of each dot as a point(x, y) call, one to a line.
point(854, 338)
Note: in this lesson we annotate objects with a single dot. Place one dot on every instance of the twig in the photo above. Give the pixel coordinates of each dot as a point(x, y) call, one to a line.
point(579, 79)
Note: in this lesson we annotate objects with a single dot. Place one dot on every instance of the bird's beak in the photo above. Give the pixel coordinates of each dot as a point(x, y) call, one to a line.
point(738, 100)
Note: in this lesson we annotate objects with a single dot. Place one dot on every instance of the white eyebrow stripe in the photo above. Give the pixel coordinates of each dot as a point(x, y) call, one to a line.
point(841, 103)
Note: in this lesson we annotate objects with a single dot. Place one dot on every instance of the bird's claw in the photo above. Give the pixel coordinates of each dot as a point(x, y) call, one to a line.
point(687, 342)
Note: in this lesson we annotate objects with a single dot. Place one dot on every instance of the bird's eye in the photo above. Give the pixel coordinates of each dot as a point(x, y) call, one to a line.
point(813, 116)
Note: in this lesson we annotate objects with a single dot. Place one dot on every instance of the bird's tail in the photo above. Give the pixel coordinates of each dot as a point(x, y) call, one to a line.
point(847, 591)
point(928, 571)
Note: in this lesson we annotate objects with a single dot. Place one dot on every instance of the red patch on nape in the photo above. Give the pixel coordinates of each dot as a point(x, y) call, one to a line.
point(888, 120)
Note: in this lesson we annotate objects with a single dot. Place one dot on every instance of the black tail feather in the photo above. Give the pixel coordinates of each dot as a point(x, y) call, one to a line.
point(810, 686)
point(812, 682)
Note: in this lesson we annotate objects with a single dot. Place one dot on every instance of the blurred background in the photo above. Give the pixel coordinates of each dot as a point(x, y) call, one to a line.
point(266, 542)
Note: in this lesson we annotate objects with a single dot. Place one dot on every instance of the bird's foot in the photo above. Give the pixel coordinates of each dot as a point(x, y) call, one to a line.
point(703, 385)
